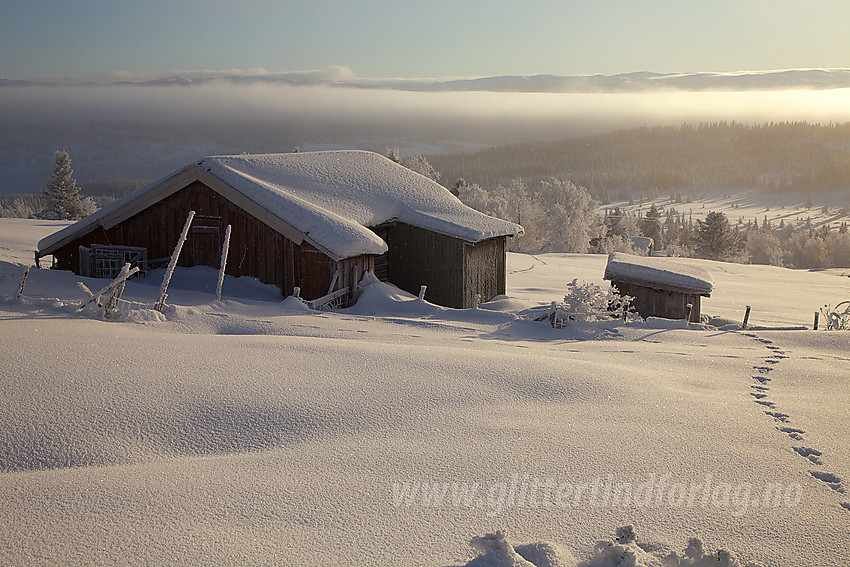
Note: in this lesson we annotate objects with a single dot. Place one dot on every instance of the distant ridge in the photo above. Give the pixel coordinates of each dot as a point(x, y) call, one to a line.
point(622, 83)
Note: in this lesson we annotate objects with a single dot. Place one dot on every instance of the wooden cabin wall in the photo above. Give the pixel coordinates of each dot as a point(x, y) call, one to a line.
point(484, 270)
point(351, 271)
point(650, 302)
point(255, 249)
point(419, 257)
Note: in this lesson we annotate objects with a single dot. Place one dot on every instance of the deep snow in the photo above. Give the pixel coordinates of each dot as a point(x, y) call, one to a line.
point(254, 431)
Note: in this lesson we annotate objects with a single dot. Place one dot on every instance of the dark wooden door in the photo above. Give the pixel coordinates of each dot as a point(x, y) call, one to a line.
point(205, 241)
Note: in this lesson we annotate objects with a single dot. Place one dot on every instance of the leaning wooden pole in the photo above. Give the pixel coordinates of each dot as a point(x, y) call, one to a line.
point(223, 263)
point(163, 288)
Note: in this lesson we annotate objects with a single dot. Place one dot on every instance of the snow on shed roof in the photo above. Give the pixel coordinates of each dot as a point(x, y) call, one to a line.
point(330, 198)
point(659, 273)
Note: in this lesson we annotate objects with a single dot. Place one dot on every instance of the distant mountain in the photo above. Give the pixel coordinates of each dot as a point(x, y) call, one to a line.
point(622, 83)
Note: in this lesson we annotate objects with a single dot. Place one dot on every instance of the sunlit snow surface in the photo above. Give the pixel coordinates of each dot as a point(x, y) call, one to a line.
point(255, 431)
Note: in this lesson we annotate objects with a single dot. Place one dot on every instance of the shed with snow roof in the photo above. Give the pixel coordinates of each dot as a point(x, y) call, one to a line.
point(313, 220)
point(661, 287)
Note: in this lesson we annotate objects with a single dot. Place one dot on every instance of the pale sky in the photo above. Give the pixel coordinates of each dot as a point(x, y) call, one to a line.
point(429, 38)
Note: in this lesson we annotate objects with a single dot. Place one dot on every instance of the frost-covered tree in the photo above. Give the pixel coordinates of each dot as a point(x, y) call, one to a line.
point(764, 247)
point(421, 166)
point(61, 194)
point(716, 239)
point(558, 216)
point(839, 249)
point(512, 203)
point(459, 184)
point(571, 220)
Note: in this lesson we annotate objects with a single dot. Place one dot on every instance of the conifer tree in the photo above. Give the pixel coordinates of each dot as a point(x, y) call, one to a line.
point(716, 239)
point(61, 194)
point(650, 225)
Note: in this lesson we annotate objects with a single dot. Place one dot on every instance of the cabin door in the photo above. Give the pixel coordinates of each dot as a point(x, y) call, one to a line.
point(205, 241)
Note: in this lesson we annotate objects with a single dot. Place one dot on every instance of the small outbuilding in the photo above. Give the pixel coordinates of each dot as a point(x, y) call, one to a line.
point(661, 287)
point(642, 245)
point(313, 220)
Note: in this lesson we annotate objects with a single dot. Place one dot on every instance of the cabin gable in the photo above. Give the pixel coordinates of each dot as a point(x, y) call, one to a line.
point(256, 249)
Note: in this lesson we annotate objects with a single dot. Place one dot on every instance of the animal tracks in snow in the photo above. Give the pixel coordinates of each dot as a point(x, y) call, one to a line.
point(760, 394)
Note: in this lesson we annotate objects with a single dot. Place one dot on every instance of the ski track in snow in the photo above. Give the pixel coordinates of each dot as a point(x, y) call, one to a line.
point(761, 390)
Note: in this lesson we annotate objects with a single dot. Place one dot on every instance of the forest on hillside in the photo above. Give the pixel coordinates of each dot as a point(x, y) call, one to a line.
point(653, 161)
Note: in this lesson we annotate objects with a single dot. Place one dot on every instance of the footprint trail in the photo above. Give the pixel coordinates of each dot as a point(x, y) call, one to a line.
point(760, 395)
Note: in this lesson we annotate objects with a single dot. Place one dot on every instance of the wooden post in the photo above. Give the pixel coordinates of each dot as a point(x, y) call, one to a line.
point(746, 317)
point(354, 281)
point(223, 263)
point(817, 313)
point(477, 300)
point(163, 288)
point(422, 289)
point(23, 283)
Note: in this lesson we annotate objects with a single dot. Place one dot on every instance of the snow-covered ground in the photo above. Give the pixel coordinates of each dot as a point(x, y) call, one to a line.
point(254, 431)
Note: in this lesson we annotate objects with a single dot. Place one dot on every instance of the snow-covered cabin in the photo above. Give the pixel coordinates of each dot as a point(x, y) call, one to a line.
point(313, 220)
point(661, 287)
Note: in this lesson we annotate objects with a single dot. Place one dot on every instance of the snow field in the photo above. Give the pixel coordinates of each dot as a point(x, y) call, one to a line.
point(751, 205)
point(253, 432)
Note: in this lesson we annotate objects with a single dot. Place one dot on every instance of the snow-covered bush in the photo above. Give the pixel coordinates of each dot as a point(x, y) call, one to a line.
point(585, 298)
point(589, 302)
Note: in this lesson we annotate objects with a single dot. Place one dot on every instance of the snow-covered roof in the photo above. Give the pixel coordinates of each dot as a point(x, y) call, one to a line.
point(328, 198)
point(658, 273)
point(642, 244)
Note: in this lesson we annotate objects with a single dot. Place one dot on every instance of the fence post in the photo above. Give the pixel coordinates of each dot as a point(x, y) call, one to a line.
point(746, 318)
point(477, 300)
point(816, 320)
point(223, 263)
point(163, 288)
